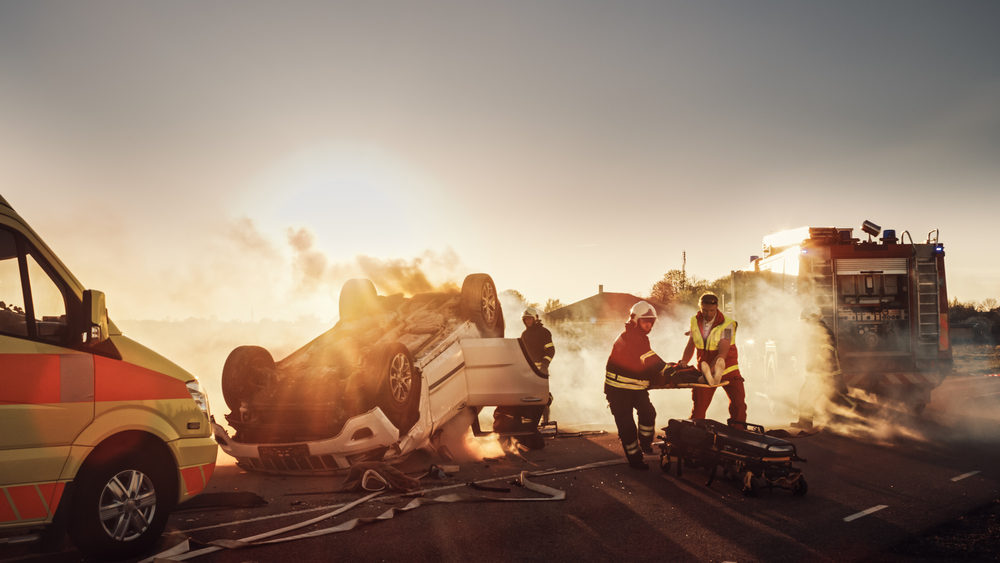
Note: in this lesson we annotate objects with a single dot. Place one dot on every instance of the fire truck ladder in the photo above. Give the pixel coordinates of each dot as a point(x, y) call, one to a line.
point(927, 305)
point(823, 278)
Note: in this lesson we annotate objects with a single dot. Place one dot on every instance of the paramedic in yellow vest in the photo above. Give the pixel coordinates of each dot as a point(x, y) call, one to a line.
point(713, 335)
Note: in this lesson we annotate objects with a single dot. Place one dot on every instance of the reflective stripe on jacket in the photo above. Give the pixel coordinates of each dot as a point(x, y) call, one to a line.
point(632, 363)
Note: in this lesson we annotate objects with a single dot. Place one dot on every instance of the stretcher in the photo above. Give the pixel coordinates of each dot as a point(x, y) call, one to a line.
point(748, 455)
point(675, 376)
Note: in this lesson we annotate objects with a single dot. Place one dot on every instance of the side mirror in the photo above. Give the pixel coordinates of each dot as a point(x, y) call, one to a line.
point(95, 316)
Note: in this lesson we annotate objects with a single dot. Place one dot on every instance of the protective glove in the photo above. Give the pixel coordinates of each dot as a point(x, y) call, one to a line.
point(720, 366)
point(707, 372)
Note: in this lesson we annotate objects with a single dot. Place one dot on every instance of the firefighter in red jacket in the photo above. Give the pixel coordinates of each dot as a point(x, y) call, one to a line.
point(630, 367)
point(712, 335)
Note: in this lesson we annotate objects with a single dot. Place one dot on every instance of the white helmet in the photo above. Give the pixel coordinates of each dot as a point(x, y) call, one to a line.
point(530, 312)
point(642, 310)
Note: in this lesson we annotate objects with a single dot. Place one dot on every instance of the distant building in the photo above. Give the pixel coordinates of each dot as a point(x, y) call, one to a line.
point(604, 308)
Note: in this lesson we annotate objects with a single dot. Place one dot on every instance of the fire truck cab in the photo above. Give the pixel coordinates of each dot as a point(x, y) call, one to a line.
point(885, 300)
point(100, 437)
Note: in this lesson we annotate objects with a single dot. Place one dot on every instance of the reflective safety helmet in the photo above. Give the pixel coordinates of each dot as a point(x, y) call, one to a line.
point(642, 310)
point(530, 312)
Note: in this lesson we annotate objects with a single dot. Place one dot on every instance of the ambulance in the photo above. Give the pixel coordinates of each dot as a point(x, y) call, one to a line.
point(100, 437)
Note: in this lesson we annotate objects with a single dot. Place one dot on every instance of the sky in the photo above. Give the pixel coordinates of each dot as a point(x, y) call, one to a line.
point(242, 159)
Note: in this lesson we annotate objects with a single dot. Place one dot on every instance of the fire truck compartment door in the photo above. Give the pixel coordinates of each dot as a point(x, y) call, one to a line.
point(854, 266)
point(499, 374)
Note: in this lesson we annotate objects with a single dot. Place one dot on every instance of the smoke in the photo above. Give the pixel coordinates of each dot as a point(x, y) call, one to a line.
point(773, 344)
point(309, 265)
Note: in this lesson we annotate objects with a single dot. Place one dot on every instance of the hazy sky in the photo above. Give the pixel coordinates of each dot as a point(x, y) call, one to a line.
point(229, 158)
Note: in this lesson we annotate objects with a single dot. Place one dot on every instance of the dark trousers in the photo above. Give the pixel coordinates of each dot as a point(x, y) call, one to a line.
point(622, 402)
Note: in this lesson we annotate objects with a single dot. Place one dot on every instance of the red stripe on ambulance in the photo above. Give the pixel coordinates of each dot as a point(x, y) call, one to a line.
point(121, 381)
point(29, 378)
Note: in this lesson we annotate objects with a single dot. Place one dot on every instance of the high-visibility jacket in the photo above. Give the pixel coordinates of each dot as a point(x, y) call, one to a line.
point(538, 342)
point(632, 363)
point(723, 329)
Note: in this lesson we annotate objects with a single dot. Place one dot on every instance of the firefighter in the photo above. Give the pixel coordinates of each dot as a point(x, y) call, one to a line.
point(712, 335)
point(630, 367)
point(537, 342)
point(822, 371)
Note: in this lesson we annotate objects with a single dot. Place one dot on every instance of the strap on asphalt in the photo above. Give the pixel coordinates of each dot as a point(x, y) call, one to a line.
point(182, 551)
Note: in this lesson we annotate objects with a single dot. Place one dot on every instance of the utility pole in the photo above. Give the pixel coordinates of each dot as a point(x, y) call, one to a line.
point(684, 276)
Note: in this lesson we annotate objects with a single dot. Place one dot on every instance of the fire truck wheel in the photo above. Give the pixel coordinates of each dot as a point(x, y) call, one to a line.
point(122, 502)
point(357, 299)
point(247, 370)
point(680, 466)
point(800, 487)
point(398, 392)
point(481, 305)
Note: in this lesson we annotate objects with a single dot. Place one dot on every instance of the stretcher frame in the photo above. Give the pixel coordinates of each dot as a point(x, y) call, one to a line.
point(747, 454)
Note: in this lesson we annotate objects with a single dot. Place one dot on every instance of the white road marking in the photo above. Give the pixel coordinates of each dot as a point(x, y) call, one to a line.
point(964, 475)
point(865, 512)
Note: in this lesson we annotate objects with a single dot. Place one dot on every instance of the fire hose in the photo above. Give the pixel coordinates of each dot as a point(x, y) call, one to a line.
point(183, 552)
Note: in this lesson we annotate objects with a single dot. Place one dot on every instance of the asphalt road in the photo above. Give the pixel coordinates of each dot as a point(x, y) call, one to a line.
point(873, 486)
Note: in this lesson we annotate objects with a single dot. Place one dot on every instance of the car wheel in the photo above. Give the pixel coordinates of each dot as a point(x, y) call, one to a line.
point(121, 505)
point(357, 299)
point(247, 370)
point(399, 387)
point(481, 305)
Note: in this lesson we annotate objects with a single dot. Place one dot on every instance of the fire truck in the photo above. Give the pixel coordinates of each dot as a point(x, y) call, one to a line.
point(884, 298)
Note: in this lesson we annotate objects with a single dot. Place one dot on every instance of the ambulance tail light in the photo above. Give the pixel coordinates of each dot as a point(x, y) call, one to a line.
point(199, 396)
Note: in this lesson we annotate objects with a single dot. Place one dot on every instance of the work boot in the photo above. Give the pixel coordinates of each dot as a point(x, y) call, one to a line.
point(646, 448)
point(635, 462)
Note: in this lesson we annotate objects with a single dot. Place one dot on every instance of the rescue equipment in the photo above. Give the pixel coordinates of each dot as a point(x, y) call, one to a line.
point(754, 458)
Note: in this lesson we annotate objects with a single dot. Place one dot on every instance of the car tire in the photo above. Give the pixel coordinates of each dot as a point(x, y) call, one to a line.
point(481, 305)
point(358, 298)
point(247, 370)
point(398, 392)
point(121, 503)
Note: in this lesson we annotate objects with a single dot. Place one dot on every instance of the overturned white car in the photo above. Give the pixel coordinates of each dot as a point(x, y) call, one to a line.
point(378, 385)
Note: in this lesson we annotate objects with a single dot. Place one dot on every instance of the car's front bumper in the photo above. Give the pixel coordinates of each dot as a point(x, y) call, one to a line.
point(367, 436)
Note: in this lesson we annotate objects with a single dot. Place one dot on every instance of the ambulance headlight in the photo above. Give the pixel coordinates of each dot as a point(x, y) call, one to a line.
point(199, 396)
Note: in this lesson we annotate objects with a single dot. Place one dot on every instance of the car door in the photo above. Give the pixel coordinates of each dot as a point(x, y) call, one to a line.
point(46, 387)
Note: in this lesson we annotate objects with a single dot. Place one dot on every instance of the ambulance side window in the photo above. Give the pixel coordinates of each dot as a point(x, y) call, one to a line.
point(49, 304)
point(12, 319)
point(33, 306)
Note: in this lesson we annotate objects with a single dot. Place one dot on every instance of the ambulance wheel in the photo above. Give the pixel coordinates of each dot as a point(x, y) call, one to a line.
point(481, 305)
point(247, 370)
point(122, 500)
point(357, 299)
point(800, 487)
point(398, 392)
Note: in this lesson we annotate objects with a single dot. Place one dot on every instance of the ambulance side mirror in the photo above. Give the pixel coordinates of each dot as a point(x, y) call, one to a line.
point(95, 315)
